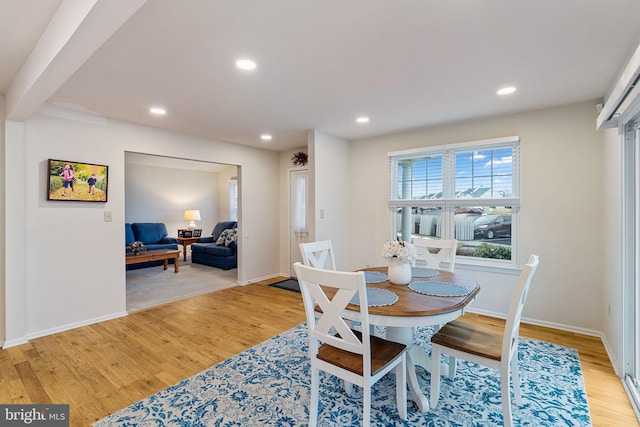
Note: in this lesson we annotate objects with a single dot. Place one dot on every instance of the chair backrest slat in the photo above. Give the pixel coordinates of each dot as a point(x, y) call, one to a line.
point(318, 254)
point(446, 252)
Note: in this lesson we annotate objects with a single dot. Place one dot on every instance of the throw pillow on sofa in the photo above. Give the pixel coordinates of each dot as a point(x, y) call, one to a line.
point(220, 227)
point(227, 236)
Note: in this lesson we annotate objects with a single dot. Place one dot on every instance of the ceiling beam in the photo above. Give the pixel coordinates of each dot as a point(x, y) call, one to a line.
point(76, 31)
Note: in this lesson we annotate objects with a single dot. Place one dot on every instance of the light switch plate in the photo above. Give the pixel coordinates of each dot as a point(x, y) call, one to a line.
point(108, 216)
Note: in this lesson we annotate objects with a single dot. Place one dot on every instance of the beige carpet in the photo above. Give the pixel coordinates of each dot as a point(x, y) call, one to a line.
point(148, 287)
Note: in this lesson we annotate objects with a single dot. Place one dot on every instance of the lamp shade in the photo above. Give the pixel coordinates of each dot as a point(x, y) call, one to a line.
point(192, 215)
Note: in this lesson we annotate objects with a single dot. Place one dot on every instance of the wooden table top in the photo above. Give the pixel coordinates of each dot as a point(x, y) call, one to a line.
point(150, 255)
point(187, 240)
point(414, 304)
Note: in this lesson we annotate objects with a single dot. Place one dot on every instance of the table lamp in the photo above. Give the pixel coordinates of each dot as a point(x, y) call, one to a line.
point(191, 216)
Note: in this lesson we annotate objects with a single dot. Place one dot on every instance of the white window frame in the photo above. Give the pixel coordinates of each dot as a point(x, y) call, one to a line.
point(448, 203)
point(233, 199)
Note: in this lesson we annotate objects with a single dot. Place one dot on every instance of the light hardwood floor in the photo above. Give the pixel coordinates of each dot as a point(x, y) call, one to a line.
point(101, 368)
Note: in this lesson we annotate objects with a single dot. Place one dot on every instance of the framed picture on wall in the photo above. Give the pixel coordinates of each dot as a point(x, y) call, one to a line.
point(76, 182)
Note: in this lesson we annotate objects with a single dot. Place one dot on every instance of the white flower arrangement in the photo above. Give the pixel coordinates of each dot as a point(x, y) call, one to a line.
point(398, 249)
point(137, 247)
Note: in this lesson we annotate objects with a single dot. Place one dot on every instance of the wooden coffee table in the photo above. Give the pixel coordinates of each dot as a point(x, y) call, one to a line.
point(160, 254)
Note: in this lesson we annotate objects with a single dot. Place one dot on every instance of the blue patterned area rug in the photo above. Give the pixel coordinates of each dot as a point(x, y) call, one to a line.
point(268, 385)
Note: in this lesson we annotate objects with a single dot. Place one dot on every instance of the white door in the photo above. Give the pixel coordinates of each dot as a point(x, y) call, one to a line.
point(631, 258)
point(298, 214)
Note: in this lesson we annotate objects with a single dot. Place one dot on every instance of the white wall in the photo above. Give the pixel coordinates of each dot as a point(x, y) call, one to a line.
point(73, 271)
point(329, 176)
point(2, 219)
point(561, 209)
point(14, 231)
point(159, 194)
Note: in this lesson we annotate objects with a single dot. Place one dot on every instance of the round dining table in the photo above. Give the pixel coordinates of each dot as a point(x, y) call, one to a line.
point(412, 309)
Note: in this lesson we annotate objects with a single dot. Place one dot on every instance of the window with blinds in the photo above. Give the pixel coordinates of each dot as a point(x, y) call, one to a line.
point(233, 200)
point(467, 191)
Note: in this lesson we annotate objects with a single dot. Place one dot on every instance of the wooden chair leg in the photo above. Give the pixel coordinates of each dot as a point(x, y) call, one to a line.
point(453, 364)
point(348, 387)
point(401, 388)
point(366, 406)
point(315, 397)
point(506, 397)
point(435, 377)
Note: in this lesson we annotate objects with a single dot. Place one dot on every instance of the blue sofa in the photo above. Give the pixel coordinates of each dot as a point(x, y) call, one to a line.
point(209, 251)
point(153, 235)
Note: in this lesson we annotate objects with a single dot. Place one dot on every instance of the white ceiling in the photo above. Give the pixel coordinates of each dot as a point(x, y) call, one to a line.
point(404, 63)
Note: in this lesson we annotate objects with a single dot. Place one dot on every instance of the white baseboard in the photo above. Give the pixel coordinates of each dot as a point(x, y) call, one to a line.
point(552, 325)
point(563, 327)
point(14, 342)
point(617, 368)
point(259, 279)
point(67, 327)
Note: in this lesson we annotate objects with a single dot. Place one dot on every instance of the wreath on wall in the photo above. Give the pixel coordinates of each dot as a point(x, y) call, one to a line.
point(300, 158)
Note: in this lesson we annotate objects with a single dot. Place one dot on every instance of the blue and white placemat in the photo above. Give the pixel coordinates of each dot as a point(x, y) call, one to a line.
point(375, 277)
point(439, 289)
point(423, 272)
point(376, 298)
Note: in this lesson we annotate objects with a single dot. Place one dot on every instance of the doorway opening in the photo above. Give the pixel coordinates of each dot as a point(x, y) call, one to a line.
point(160, 189)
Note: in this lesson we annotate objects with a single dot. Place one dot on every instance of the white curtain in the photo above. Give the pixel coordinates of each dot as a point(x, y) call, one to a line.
point(300, 226)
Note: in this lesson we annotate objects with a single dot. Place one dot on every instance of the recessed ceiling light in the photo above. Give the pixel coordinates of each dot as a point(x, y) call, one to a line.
point(362, 120)
point(246, 64)
point(158, 111)
point(266, 137)
point(506, 90)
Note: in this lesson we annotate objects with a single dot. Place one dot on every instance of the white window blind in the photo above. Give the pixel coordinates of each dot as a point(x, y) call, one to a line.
point(457, 174)
point(233, 200)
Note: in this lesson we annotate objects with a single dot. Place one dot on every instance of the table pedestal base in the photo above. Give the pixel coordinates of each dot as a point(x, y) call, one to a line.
point(416, 356)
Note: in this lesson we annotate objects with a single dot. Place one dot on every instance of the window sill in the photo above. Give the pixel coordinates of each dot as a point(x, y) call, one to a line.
point(494, 266)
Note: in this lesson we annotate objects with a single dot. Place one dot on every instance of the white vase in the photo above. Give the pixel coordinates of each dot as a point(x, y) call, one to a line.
point(399, 271)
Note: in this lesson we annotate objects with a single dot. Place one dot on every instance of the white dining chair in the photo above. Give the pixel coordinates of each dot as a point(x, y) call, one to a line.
point(338, 350)
point(477, 344)
point(318, 254)
point(435, 252)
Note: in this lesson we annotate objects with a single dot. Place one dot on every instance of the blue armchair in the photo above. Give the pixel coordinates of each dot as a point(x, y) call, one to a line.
point(211, 251)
